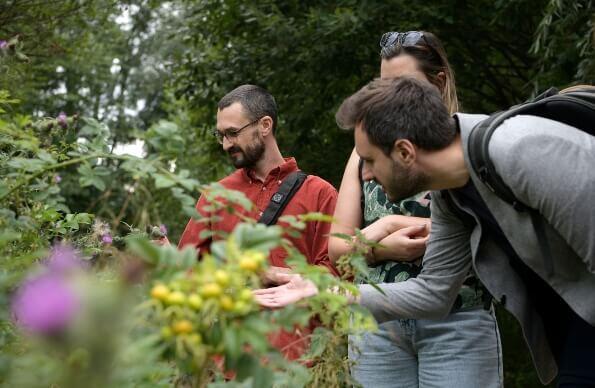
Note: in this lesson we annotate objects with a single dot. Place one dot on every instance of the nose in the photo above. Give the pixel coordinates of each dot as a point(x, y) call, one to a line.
point(226, 143)
point(367, 174)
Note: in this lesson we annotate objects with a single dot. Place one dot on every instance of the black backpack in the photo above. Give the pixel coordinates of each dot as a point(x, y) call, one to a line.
point(574, 107)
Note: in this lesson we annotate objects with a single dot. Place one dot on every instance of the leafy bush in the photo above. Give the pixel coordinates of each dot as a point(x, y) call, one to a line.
point(90, 300)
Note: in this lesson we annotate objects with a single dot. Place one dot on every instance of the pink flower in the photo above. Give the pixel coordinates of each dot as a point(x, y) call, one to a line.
point(62, 120)
point(45, 305)
point(3, 44)
point(57, 179)
point(163, 229)
point(106, 238)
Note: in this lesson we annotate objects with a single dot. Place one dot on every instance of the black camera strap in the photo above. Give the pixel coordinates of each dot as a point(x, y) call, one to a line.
point(281, 198)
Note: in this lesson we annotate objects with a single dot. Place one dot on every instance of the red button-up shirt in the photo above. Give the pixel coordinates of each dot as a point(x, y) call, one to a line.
point(315, 195)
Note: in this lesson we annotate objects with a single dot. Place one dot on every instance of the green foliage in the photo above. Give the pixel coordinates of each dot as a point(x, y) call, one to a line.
point(196, 312)
point(565, 43)
point(153, 71)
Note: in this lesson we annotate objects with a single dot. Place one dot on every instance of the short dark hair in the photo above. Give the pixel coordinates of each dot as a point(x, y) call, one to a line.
point(256, 101)
point(399, 108)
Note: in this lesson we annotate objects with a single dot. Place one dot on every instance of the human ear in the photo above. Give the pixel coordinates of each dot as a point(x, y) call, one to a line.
point(441, 76)
point(404, 151)
point(266, 125)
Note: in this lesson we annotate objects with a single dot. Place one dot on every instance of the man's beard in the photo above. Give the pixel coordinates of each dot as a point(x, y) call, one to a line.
point(405, 183)
point(250, 156)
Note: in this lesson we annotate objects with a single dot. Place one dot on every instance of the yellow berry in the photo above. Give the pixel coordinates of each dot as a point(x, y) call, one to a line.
point(248, 264)
point(176, 297)
point(245, 295)
point(160, 292)
point(257, 256)
point(241, 307)
point(194, 339)
point(182, 327)
point(195, 301)
point(222, 278)
point(226, 303)
point(211, 290)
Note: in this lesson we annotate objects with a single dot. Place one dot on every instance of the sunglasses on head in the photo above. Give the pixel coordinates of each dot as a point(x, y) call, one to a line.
point(405, 39)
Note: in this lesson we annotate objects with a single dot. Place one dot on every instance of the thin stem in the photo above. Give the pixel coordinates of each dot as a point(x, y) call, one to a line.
point(57, 166)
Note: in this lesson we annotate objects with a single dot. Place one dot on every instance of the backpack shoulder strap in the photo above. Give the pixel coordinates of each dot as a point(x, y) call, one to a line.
point(575, 108)
point(281, 198)
point(479, 140)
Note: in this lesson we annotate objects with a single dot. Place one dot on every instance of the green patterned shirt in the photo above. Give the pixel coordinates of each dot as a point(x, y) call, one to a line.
point(375, 205)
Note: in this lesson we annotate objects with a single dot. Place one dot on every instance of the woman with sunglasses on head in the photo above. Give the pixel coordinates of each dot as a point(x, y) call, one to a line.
point(462, 350)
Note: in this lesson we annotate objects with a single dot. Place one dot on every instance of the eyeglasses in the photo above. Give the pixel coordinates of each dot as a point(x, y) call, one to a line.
point(405, 39)
point(231, 134)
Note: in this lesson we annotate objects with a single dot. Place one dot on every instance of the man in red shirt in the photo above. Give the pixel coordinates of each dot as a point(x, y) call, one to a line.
point(246, 122)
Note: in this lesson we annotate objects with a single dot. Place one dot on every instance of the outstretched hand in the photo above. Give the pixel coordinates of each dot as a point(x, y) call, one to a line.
point(295, 289)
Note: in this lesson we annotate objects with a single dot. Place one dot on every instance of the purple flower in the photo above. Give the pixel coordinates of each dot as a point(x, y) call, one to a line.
point(106, 238)
point(3, 44)
point(62, 120)
point(163, 229)
point(45, 305)
point(64, 259)
point(57, 179)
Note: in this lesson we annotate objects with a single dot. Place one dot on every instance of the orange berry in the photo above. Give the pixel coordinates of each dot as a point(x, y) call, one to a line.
point(160, 292)
point(182, 327)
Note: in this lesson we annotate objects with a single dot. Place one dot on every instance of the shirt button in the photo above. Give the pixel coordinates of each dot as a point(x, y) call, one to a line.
point(264, 188)
point(278, 182)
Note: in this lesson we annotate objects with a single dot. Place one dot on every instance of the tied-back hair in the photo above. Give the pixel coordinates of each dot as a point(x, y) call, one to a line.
point(431, 59)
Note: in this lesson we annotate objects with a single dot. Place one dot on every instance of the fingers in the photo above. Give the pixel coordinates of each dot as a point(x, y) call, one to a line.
point(283, 278)
point(267, 297)
point(266, 291)
point(267, 301)
point(413, 231)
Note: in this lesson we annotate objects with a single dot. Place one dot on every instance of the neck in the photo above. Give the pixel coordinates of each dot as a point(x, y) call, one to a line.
point(446, 169)
point(271, 159)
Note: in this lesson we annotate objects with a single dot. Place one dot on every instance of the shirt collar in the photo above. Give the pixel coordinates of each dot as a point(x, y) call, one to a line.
point(278, 173)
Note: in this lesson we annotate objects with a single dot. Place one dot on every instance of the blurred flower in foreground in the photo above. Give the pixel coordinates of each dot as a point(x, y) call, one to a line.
point(163, 229)
point(57, 179)
point(62, 120)
point(3, 44)
point(46, 303)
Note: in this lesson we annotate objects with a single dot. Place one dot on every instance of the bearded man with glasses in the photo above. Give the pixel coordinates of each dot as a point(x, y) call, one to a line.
point(246, 124)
